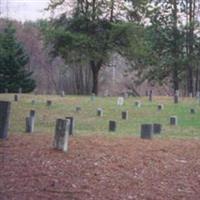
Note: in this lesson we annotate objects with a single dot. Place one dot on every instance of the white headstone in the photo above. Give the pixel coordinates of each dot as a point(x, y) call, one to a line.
point(120, 101)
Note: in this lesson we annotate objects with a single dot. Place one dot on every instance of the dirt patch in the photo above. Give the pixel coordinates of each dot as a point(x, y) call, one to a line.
point(99, 168)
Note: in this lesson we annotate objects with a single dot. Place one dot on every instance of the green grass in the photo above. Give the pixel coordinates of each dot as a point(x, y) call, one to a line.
point(86, 121)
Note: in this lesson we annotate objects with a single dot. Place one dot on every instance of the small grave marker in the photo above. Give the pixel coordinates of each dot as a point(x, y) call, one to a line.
point(157, 128)
point(30, 124)
point(125, 115)
point(192, 111)
point(100, 112)
point(33, 102)
point(16, 97)
point(150, 95)
point(49, 103)
point(160, 107)
point(61, 135)
point(120, 101)
point(71, 125)
point(4, 118)
point(78, 109)
point(112, 126)
point(62, 94)
point(20, 90)
point(176, 97)
point(138, 104)
point(92, 97)
point(173, 120)
point(146, 131)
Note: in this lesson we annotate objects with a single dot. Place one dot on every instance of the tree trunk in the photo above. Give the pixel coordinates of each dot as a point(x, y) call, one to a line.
point(95, 67)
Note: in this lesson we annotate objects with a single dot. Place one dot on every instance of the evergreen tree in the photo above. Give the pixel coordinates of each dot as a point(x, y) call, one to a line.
point(13, 60)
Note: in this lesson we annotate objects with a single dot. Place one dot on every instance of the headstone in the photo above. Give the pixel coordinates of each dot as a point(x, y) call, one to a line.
point(146, 131)
point(120, 101)
point(112, 126)
point(78, 109)
point(16, 97)
point(92, 97)
point(62, 94)
point(150, 95)
point(160, 107)
point(20, 90)
point(100, 112)
point(157, 128)
point(49, 103)
point(173, 120)
point(6, 90)
point(192, 111)
point(71, 125)
point(32, 113)
point(176, 99)
point(30, 124)
point(61, 135)
point(125, 115)
point(138, 104)
point(4, 118)
point(33, 102)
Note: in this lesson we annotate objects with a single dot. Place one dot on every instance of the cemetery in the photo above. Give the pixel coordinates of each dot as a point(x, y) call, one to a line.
point(53, 151)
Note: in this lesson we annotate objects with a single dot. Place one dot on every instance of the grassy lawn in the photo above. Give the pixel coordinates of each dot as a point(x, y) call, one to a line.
point(87, 122)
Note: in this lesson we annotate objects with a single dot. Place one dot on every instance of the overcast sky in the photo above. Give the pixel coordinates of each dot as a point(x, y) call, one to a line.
point(23, 9)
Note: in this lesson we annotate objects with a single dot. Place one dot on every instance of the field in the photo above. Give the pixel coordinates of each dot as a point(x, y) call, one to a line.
point(101, 165)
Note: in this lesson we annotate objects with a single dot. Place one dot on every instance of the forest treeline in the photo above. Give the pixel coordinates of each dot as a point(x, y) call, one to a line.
point(156, 41)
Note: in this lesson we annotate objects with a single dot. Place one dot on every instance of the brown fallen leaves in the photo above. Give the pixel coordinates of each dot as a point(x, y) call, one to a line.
point(99, 168)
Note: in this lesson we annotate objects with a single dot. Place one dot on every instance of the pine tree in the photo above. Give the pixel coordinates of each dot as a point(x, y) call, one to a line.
point(13, 60)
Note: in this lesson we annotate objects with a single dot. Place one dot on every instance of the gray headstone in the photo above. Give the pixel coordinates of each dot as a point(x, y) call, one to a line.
point(61, 135)
point(92, 97)
point(78, 109)
point(49, 103)
point(157, 128)
point(192, 111)
point(71, 125)
point(100, 112)
point(4, 118)
point(125, 115)
point(150, 95)
point(138, 104)
point(173, 120)
point(176, 99)
point(30, 121)
point(33, 102)
point(16, 97)
point(146, 131)
point(112, 126)
point(160, 107)
point(62, 94)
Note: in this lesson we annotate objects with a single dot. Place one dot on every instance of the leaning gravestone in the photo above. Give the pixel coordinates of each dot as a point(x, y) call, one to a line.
point(4, 118)
point(100, 112)
point(173, 120)
point(120, 101)
point(150, 95)
point(71, 125)
point(92, 97)
point(157, 128)
point(112, 126)
point(20, 90)
point(146, 131)
point(33, 102)
point(125, 115)
point(61, 135)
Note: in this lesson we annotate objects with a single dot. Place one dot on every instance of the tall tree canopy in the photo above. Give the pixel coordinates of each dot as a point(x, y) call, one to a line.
point(13, 60)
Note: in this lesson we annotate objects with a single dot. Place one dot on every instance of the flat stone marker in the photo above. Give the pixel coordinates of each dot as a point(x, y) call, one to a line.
point(112, 126)
point(150, 95)
point(78, 109)
point(160, 107)
point(4, 118)
point(173, 120)
point(71, 125)
point(16, 97)
point(125, 115)
point(120, 101)
point(146, 131)
point(100, 112)
point(192, 111)
point(30, 121)
point(49, 103)
point(157, 128)
point(138, 104)
point(61, 135)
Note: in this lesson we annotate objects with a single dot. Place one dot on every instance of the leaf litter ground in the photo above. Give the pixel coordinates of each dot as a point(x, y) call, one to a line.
point(99, 168)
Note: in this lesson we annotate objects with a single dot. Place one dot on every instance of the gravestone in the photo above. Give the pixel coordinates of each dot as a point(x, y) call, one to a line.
point(4, 118)
point(146, 131)
point(157, 128)
point(62, 93)
point(138, 104)
point(49, 103)
point(176, 97)
point(173, 120)
point(71, 125)
point(30, 124)
point(33, 102)
point(192, 111)
point(78, 109)
point(100, 112)
point(160, 107)
point(92, 97)
point(61, 135)
point(16, 97)
point(125, 115)
point(112, 126)
point(20, 90)
point(150, 95)
point(120, 101)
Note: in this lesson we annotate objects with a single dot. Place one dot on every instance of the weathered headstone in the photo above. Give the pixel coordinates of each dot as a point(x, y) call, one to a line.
point(138, 104)
point(160, 107)
point(16, 97)
point(71, 125)
point(62, 93)
point(20, 90)
point(100, 112)
point(150, 95)
point(146, 131)
point(192, 111)
point(157, 128)
point(125, 115)
point(173, 120)
point(4, 118)
point(112, 126)
point(78, 108)
point(30, 121)
point(120, 101)
point(61, 135)
point(49, 103)
point(92, 97)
